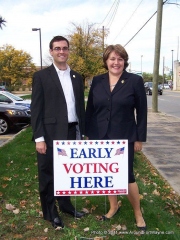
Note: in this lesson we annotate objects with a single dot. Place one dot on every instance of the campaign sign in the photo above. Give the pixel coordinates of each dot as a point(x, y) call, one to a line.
point(90, 167)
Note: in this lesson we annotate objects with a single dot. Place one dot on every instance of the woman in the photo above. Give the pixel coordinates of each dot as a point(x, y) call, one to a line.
point(117, 109)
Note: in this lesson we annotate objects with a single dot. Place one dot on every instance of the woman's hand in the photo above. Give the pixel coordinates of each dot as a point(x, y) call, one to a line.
point(137, 146)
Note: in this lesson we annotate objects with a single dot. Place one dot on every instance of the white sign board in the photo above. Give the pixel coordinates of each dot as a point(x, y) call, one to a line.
point(90, 167)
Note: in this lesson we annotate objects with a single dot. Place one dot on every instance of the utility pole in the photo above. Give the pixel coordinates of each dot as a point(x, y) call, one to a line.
point(157, 56)
point(163, 71)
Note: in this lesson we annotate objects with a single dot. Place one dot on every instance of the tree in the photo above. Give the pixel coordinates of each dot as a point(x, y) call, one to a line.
point(86, 49)
point(2, 22)
point(148, 77)
point(15, 66)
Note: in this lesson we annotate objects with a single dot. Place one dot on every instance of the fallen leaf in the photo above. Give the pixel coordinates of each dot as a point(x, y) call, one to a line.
point(73, 225)
point(155, 192)
point(40, 214)
point(142, 210)
point(13, 225)
point(177, 211)
point(10, 207)
point(6, 179)
point(16, 211)
point(141, 197)
point(58, 228)
point(119, 203)
point(26, 184)
point(86, 229)
point(87, 201)
point(30, 227)
point(16, 175)
point(99, 218)
point(46, 230)
point(93, 208)
point(98, 238)
point(85, 210)
point(123, 227)
point(23, 203)
point(4, 185)
point(118, 227)
point(17, 236)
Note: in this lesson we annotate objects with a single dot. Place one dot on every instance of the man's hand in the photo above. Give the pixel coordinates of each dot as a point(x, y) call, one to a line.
point(137, 146)
point(41, 147)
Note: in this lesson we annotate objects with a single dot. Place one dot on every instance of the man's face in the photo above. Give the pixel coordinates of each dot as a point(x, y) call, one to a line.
point(60, 52)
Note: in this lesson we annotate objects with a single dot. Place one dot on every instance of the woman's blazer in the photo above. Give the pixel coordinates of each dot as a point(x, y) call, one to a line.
point(120, 114)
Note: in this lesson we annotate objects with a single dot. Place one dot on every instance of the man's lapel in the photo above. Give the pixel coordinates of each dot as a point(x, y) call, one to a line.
point(74, 77)
point(55, 78)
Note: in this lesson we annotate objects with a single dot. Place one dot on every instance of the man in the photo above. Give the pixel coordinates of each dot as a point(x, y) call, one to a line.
point(57, 113)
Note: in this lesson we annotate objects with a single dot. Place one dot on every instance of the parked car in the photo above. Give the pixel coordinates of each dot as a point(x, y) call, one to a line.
point(3, 88)
point(149, 87)
point(166, 86)
point(13, 116)
point(7, 97)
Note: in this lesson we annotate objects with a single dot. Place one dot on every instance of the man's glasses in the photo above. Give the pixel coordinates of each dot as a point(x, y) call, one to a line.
point(57, 49)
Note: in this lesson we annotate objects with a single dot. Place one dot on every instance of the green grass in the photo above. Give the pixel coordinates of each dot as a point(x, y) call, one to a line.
point(26, 96)
point(19, 187)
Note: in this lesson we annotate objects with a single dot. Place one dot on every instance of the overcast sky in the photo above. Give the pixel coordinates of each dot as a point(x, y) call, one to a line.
point(55, 17)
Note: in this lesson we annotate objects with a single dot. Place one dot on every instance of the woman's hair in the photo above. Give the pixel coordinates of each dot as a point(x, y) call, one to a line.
point(118, 49)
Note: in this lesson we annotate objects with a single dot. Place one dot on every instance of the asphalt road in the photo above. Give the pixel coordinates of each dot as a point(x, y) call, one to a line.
point(7, 137)
point(168, 103)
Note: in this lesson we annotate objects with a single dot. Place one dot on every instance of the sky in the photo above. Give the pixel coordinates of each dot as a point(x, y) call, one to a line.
point(122, 20)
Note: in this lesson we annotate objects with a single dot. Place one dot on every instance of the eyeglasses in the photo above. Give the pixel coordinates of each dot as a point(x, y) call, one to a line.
point(57, 49)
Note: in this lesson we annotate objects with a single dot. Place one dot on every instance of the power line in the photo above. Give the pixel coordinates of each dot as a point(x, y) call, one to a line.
point(128, 21)
point(143, 25)
point(113, 14)
point(141, 28)
point(115, 6)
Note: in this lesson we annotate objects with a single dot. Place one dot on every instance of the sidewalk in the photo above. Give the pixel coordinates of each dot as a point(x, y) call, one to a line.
point(162, 148)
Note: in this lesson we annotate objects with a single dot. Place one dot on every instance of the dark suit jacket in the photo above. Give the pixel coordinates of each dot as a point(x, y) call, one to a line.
point(49, 108)
point(113, 113)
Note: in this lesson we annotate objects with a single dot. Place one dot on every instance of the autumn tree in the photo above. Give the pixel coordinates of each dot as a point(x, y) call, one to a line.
point(2, 22)
point(86, 49)
point(148, 77)
point(15, 66)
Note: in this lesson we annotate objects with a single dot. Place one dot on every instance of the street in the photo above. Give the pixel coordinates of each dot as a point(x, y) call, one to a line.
point(168, 103)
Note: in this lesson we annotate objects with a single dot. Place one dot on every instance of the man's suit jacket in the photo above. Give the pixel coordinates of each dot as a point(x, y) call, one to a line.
point(113, 113)
point(49, 108)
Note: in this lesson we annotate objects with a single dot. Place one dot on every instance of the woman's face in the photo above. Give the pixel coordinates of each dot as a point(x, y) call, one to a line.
point(115, 63)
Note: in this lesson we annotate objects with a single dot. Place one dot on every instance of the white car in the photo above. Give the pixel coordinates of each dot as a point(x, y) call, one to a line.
point(7, 97)
point(166, 86)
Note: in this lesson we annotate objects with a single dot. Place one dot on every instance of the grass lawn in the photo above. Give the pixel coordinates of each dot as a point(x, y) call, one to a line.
point(20, 210)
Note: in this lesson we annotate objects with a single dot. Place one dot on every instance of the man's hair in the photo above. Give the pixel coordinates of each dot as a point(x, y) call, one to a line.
point(118, 49)
point(57, 39)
